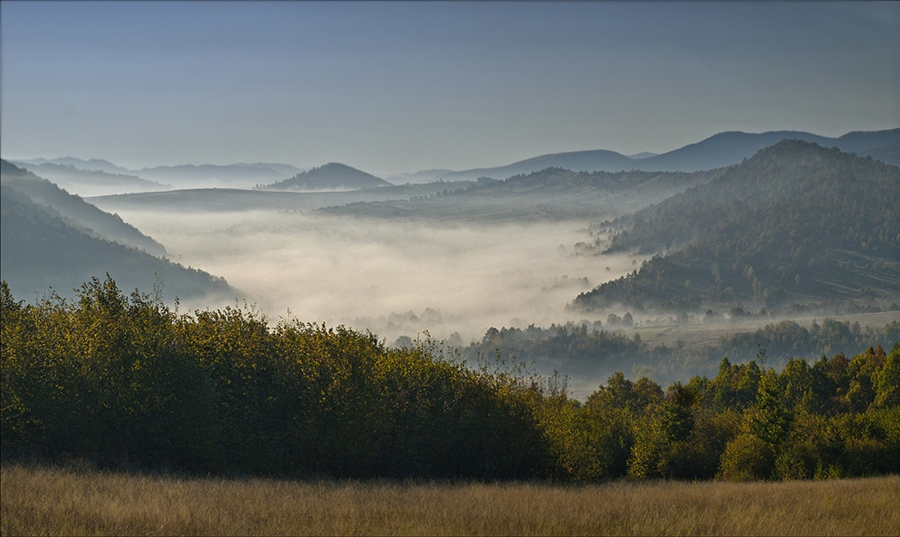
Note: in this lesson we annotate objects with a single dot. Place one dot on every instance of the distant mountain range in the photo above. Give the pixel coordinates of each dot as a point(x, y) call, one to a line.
point(93, 164)
point(231, 175)
point(85, 182)
point(239, 175)
point(552, 194)
point(720, 150)
point(52, 239)
point(723, 149)
point(332, 176)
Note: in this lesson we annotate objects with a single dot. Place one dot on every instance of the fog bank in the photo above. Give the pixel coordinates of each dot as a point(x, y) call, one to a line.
point(391, 278)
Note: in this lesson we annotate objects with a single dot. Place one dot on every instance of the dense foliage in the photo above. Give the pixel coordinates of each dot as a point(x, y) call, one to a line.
point(795, 223)
point(123, 380)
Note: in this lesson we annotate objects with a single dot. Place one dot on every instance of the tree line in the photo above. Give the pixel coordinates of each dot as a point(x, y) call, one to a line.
point(125, 381)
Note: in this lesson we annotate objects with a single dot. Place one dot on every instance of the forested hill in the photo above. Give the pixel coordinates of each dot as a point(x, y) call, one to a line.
point(795, 223)
point(332, 176)
point(39, 251)
point(53, 239)
point(75, 211)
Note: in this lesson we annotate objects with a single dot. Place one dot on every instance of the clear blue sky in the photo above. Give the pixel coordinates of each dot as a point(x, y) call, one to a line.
point(390, 87)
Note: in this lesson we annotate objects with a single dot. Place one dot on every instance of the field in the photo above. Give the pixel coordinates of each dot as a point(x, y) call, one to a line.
point(78, 501)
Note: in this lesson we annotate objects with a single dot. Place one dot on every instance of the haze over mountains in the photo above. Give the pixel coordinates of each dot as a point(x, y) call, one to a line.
point(75, 173)
point(92, 182)
point(794, 228)
point(723, 149)
point(563, 187)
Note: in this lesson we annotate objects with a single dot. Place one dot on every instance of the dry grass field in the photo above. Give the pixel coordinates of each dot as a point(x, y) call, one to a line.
point(61, 501)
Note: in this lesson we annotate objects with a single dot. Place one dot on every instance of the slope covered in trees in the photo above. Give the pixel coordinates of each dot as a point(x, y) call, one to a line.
point(331, 176)
point(43, 248)
point(74, 210)
point(794, 223)
point(125, 381)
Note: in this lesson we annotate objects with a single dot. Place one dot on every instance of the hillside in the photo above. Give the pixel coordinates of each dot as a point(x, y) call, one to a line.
point(332, 176)
point(74, 211)
point(93, 164)
point(232, 199)
point(794, 224)
point(39, 251)
point(578, 161)
point(728, 148)
point(550, 194)
point(91, 182)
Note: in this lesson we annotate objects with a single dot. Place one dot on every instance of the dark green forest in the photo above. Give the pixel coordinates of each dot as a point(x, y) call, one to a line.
point(795, 223)
point(124, 381)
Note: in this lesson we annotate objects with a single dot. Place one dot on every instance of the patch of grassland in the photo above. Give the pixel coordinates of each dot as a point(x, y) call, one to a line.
point(66, 501)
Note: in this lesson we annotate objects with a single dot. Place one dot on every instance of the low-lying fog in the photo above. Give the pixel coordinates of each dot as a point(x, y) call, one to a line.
point(389, 277)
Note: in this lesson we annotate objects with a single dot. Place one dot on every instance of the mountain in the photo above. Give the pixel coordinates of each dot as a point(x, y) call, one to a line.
point(74, 211)
point(332, 176)
point(239, 175)
point(93, 164)
point(550, 194)
point(578, 161)
point(727, 148)
point(40, 250)
point(233, 199)
point(794, 224)
point(212, 175)
point(720, 150)
point(91, 182)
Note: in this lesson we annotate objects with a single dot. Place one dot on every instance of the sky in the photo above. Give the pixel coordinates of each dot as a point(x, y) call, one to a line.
point(393, 87)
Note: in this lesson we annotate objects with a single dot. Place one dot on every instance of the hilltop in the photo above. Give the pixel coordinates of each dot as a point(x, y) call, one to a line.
point(331, 176)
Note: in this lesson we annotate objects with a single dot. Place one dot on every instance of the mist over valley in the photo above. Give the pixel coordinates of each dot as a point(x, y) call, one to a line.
point(526, 268)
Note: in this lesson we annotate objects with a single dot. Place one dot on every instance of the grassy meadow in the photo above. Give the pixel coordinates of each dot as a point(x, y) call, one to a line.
point(77, 501)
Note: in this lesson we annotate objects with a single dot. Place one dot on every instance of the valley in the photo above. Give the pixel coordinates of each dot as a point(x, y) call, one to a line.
point(454, 260)
point(476, 268)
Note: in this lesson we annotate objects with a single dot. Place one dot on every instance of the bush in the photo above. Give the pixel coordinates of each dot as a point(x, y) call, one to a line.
point(747, 458)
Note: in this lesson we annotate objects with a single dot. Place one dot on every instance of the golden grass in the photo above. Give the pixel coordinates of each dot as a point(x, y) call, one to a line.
point(59, 501)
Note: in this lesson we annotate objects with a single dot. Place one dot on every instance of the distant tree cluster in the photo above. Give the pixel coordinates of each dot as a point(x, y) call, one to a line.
point(125, 381)
point(584, 348)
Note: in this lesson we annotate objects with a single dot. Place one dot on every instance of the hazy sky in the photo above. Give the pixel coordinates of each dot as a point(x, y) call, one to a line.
point(391, 87)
